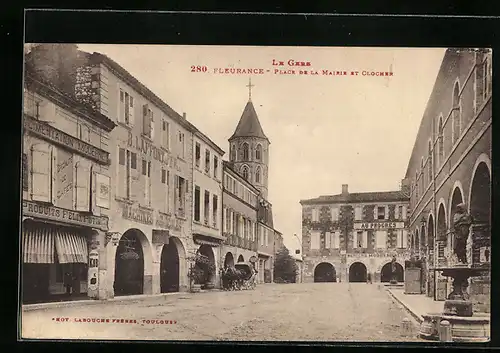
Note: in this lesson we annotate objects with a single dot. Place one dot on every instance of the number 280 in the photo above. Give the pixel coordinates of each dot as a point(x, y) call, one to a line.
point(198, 68)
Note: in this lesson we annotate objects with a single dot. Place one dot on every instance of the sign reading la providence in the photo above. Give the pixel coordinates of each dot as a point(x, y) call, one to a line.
point(378, 225)
point(34, 209)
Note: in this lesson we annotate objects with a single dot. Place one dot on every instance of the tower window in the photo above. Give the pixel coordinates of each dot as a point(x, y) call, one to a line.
point(258, 153)
point(257, 175)
point(244, 172)
point(233, 153)
point(245, 152)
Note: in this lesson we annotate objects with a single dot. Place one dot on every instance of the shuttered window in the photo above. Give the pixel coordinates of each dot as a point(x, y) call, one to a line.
point(315, 215)
point(328, 240)
point(41, 176)
point(82, 185)
point(315, 240)
point(25, 172)
point(121, 177)
point(405, 238)
point(381, 239)
point(365, 240)
point(358, 214)
point(336, 240)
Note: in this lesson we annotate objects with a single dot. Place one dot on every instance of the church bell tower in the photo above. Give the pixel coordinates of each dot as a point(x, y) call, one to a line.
point(249, 148)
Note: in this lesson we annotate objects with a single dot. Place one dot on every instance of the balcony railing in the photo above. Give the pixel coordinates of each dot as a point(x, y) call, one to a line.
point(234, 240)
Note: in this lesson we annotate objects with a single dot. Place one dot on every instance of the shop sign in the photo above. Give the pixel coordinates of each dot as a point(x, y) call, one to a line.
point(385, 254)
point(93, 258)
point(51, 134)
point(103, 191)
point(137, 214)
point(93, 278)
point(64, 177)
point(48, 212)
point(168, 222)
point(379, 225)
point(160, 236)
point(149, 149)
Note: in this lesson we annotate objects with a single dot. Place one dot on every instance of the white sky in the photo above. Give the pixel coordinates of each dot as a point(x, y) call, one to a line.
point(325, 131)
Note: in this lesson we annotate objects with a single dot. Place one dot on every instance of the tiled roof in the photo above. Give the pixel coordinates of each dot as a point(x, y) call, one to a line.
point(249, 125)
point(359, 197)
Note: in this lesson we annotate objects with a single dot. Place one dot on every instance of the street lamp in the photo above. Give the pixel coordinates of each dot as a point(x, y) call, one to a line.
point(301, 257)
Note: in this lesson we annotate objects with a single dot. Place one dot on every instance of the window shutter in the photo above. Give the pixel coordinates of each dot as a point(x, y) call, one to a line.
point(41, 162)
point(386, 212)
point(404, 212)
point(327, 240)
point(375, 209)
point(131, 118)
point(365, 239)
point(396, 212)
point(82, 186)
point(25, 172)
point(405, 238)
point(53, 169)
point(152, 124)
point(121, 101)
point(354, 239)
point(121, 176)
point(145, 120)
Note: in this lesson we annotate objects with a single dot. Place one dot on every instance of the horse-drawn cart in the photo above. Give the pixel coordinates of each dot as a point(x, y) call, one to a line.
point(240, 276)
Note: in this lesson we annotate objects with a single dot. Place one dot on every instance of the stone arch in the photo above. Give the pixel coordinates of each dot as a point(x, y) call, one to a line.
point(172, 259)
point(131, 271)
point(457, 186)
point(245, 148)
point(386, 272)
point(358, 272)
point(228, 259)
point(208, 252)
point(483, 158)
point(245, 172)
point(441, 221)
point(258, 152)
point(325, 272)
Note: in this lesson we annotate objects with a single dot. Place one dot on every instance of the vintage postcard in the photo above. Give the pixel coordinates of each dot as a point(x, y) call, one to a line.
point(252, 193)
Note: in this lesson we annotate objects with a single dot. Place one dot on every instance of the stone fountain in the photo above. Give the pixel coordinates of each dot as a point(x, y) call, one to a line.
point(465, 325)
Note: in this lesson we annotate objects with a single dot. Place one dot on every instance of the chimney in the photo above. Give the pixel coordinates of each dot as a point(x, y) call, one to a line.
point(345, 189)
point(184, 116)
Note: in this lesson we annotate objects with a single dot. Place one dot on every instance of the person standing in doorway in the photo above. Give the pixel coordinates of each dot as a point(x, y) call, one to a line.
point(68, 282)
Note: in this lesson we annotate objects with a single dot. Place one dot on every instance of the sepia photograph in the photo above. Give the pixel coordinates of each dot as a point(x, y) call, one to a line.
point(255, 193)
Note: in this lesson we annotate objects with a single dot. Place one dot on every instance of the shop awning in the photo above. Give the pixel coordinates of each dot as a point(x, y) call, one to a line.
point(38, 246)
point(71, 247)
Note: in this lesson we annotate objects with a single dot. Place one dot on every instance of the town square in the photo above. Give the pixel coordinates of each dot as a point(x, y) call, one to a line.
point(163, 200)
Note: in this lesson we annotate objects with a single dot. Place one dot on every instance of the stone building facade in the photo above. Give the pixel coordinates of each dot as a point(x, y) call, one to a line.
point(149, 245)
point(239, 218)
point(352, 237)
point(66, 191)
point(451, 164)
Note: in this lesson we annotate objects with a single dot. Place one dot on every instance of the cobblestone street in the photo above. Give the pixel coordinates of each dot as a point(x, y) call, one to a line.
point(297, 312)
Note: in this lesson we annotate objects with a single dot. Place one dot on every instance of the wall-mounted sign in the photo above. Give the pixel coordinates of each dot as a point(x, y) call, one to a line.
point(31, 208)
point(386, 254)
point(146, 147)
point(64, 178)
point(93, 258)
point(50, 133)
point(168, 221)
point(160, 236)
point(103, 192)
point(137, 214)
point(253, 259)
point(378, 225)
point(93, 278)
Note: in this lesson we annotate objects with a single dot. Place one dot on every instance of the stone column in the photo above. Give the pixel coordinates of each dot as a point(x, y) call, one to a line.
point(98, 284)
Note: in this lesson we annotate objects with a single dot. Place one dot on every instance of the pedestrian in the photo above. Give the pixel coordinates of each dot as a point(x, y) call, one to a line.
point(68, 279)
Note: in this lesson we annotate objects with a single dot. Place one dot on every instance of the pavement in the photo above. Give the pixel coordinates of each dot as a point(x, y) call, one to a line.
point(416, 304)
point(271, 312)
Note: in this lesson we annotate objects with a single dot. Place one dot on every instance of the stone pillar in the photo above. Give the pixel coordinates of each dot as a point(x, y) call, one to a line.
point(152, 281)
point(98, 283)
